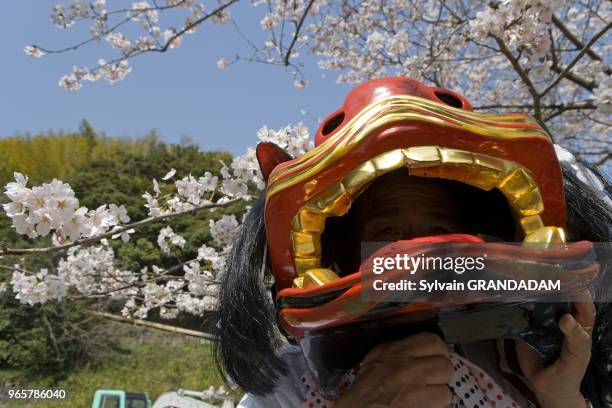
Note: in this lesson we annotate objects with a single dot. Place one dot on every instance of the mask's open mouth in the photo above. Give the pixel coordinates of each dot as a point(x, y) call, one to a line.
point(485, 172)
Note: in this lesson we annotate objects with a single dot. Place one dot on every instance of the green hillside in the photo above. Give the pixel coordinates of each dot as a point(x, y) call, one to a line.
point(60, 154)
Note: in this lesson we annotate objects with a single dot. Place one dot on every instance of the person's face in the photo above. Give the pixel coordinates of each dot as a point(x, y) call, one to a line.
point(399, 207)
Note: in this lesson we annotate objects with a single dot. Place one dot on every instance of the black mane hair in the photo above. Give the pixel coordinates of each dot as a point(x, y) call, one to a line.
point(247, 329)
point(589, 217)
point(247, 335)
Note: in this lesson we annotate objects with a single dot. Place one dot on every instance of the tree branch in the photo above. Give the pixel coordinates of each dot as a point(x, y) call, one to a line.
point(91, 240)
point(297, 32)
point(572, 37)
point(577, 58)
point(153, 325)
point(75, 47)
point(562, 108)
point(584, 83)
point(526, 80)
point(194, 24)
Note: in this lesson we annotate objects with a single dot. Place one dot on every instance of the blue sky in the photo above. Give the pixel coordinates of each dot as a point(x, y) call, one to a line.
point(178, 93)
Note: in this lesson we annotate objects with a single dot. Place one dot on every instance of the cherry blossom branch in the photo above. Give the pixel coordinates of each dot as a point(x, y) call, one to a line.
point(585, 83)
point(91, 271)
point(194, 24)
point(517, 67)
point(91, 39)
point(160, 48)
point(165, 274)
point(577, 58)
point(589, 85)
point(14, 269)
point(562, 108)
point(297, 32)
point(573, 39)
point(159, 326)
point(113, 28)
point(525, 79)
point(87, 241)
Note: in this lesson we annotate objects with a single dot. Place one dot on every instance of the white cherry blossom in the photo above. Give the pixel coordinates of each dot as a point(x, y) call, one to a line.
point(169, 175)
point(167, 237)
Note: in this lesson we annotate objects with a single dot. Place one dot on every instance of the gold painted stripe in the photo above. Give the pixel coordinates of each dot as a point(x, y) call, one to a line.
point(393, 109)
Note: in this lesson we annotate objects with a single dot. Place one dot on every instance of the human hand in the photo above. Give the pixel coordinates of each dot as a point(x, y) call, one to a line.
point(408, 373)
point(558, 385)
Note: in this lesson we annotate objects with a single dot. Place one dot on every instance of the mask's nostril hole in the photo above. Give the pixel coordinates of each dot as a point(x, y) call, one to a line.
point(332, 124)
point(449, 99)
